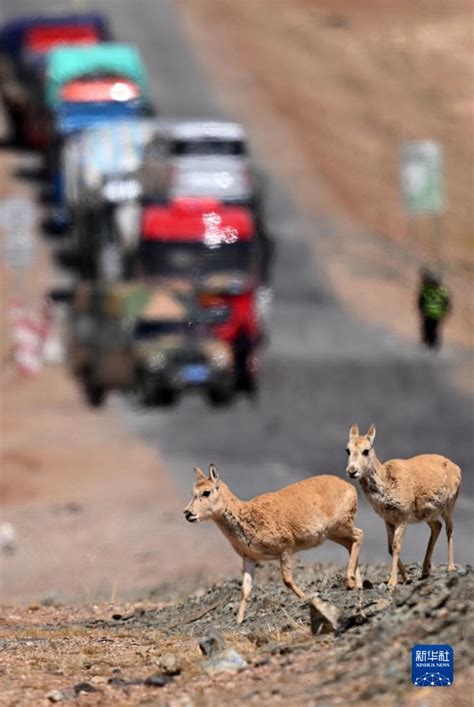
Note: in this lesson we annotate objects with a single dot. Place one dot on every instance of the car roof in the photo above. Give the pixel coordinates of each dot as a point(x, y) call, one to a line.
point(45, 37)
point(197, 220)
point(65, 64)
point(12, 33)
point(201, 129)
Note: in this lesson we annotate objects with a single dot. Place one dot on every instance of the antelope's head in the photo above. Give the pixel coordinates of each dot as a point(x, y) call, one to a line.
point(360, 450)
point(206, 501)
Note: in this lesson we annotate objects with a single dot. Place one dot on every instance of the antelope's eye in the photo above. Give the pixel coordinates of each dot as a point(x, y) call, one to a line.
point(348, 450)
point(366, 452)
point(206, 493)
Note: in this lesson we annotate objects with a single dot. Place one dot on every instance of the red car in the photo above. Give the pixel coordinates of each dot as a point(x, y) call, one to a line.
point(194, 238)
point(211, 247)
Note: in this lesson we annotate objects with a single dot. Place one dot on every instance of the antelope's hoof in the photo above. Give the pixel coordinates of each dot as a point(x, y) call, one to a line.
point(351, 583)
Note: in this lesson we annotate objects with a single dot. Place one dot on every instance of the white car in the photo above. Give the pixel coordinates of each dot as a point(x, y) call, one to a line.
point(200, 158)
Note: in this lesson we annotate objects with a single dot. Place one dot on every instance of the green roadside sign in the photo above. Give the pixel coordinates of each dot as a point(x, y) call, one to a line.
point(422, 177)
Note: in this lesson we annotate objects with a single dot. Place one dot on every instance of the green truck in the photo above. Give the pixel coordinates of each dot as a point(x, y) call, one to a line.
point(153, 342)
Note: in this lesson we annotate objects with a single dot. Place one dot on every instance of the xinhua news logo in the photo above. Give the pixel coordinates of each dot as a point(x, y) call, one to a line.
point(432, 666)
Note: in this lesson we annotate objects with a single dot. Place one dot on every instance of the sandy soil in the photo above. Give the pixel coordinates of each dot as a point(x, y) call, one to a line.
point(342, 84)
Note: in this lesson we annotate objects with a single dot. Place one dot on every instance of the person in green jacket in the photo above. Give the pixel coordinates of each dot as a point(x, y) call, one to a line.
point(434, 305)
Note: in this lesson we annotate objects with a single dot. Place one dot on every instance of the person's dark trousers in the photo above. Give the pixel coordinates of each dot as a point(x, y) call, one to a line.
point(430, 332)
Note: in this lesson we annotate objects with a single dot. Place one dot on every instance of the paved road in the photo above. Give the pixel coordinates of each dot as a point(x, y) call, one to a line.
point(322, 370)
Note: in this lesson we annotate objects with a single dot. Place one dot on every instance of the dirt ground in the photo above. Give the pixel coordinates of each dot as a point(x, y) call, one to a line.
point(342, 84)
point(107, 654)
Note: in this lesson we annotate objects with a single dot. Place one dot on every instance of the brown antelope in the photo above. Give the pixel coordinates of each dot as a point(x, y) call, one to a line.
point(403, 491)
point(274, 526)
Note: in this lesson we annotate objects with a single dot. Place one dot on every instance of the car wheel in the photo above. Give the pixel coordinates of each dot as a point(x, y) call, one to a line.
point(94, 394)
point(146, 390)
point(220, 396)
point(166, 397)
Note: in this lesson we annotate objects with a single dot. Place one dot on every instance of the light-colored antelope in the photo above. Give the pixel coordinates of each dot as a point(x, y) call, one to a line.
point(403, 491)
point(275, 525)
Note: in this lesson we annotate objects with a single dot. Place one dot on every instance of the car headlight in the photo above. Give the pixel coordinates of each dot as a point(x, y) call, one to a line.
point(221, 359)
point(156, 362)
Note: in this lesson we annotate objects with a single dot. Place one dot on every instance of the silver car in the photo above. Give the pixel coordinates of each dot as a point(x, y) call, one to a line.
point(200, 158)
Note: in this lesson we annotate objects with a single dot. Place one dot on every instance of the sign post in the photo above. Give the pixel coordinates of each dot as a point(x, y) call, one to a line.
point(16, 220)
point(19, 249)
point(422, 184)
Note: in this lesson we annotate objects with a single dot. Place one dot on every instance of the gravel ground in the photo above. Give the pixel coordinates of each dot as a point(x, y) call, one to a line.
point(148, 653)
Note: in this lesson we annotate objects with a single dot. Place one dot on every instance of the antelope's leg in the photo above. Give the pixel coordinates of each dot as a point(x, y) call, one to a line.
point(390, 529)
point(449, 534)
point(353, 566)
point(398, 535)
point(352, 542)
point(247, 578)
point(435, 526)
point(287, 574)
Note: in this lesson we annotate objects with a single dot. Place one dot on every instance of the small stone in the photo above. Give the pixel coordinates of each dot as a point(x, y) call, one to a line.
point(121, 682)
point(261, 662)
point(213, 642)
point(441, 600)
point(157, 680)
point(324, 616)
point(382, 604)
point(56, 696)
point(367, 584)
point(169, 664)
point(382, 587)
point(226, 661)
point(84, 687)
point(452, 581)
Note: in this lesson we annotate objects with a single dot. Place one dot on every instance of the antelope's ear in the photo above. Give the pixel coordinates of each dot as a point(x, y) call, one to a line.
point(213, 473)
point(199, 474)
point(371, 434)
point(354, 431)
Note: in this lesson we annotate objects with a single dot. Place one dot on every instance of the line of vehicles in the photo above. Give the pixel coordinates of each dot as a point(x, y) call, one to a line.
point(164, 217)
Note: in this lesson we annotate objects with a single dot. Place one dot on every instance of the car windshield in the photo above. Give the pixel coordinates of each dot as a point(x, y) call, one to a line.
point(200, 324)
point(195, 260)
point(100, 109)
point(204, 148)
point(147, 329)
